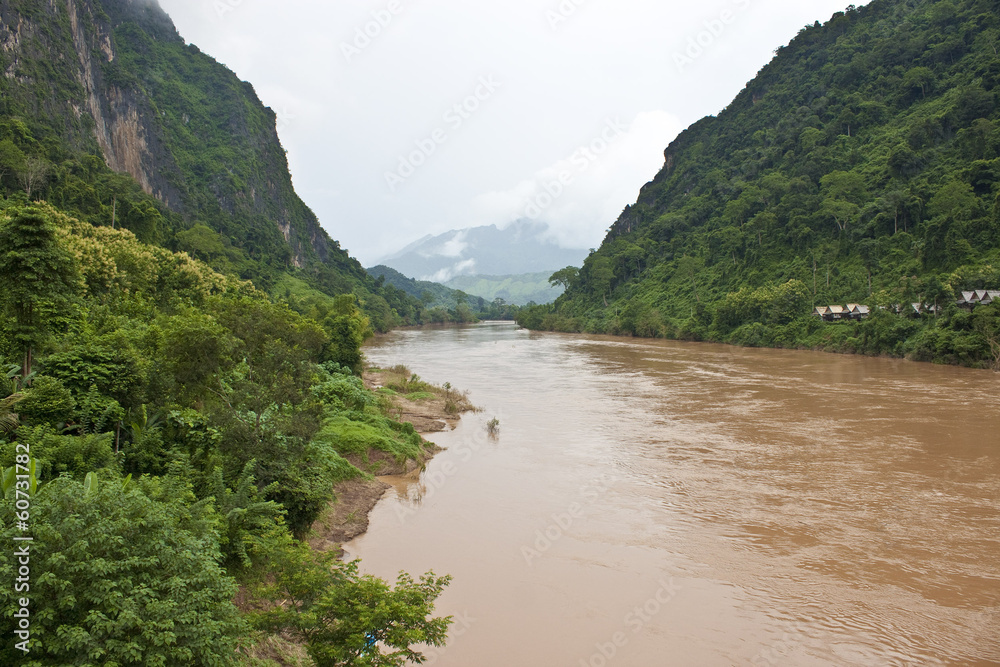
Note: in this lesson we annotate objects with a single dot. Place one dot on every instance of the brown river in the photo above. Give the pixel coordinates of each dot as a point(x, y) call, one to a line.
point(651, 503)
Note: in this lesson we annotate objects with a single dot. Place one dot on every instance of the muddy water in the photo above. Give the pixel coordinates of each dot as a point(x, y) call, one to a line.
point(654, 503)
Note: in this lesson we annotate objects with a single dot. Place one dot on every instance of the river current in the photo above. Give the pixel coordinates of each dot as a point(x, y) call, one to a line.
point(651, 503)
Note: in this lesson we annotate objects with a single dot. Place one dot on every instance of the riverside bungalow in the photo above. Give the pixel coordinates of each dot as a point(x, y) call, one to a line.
point(856, 311)
point(986, 297)
point(921, 308)
point(852, 311)
point(970, 300)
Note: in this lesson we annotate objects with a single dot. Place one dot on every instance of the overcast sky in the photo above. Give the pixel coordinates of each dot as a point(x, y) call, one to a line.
point(403, 118)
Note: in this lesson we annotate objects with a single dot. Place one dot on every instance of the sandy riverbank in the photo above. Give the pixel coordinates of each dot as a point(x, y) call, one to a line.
point(431, 412)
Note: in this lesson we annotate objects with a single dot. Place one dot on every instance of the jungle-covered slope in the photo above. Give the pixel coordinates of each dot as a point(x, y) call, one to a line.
point(108, 114)
point(860, 165)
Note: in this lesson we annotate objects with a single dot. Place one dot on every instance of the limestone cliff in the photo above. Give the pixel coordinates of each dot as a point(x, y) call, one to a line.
point(114, 78)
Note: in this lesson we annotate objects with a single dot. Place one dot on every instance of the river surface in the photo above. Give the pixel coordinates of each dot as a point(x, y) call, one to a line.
point(651, 503)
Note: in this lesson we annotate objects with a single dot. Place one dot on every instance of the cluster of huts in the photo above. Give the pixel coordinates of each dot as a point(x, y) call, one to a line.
point(852, 311)
point(983, 297)
point(856, 311)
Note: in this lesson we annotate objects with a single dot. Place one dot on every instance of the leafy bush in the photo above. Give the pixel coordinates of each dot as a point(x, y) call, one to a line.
point(46, 402)
point(343, 392)
point(304, 484)
point(64, 454)
point(348, 619)
point(120, 578)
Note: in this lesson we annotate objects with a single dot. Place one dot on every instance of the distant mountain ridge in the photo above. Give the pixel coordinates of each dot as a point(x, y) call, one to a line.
point(519, 290)
point(431, 294)
point(521, 247)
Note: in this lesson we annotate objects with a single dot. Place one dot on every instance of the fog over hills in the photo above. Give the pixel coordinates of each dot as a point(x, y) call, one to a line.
point(521, 247)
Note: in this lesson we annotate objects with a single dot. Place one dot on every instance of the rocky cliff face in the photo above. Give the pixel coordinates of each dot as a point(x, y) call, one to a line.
point(76, 38)
point(113, 77)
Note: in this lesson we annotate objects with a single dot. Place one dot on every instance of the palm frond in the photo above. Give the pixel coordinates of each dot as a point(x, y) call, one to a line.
point(9, 420)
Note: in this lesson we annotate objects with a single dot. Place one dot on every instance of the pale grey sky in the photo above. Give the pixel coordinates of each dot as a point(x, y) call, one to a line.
point(411, 117)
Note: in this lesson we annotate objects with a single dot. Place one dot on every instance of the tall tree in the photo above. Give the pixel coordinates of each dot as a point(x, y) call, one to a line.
point(33, 174)
point(37, 274)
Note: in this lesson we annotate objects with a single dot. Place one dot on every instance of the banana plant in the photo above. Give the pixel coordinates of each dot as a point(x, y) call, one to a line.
point(8, 480)
point(90, 484)
point(14, 382)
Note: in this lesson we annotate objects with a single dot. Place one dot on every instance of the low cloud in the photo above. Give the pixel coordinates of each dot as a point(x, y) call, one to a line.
point(582, 194)
point(453, 247)
point(465, 267)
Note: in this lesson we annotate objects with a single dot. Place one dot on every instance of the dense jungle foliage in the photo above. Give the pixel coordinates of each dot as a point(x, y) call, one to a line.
point(183, 429)
point(179, 365)
point(862, 165)
point(217, 173)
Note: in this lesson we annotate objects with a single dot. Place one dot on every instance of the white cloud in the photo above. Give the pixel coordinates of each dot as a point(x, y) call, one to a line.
point(583, 192)
point(465, 267)
point(453, 247)
point(352, 120)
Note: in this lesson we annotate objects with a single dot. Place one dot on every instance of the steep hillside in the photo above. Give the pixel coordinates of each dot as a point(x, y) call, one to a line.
point(109, 115)
point(860, 165)
point(174, 429)
point(519, 290)
point(430, 294)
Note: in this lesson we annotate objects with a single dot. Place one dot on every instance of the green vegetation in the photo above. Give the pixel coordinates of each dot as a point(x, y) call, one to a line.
point(398, 381)
point(184, 430)
point(206, 172)
point(442, 304)
point(431, 295)
point(518, 290)
point(862, 165)
point(343, 616)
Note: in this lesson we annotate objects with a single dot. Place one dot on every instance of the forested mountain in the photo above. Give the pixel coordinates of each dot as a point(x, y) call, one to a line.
point(107, 114)
point(520, 289)
point(521, 247)
point(860, 165)
point(446, 304)
point(431, 294)
point(179, 367)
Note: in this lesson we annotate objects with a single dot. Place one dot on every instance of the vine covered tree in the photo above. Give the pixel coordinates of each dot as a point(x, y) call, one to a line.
point(37, 274)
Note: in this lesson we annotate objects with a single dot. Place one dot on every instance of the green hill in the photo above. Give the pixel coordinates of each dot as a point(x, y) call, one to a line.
point(180, 351)
point(519, 289)
point(860, 165)
point(107, 114)
point(432, 295)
